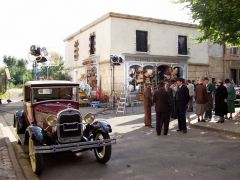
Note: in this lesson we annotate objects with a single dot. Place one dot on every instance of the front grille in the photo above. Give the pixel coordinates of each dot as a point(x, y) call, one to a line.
point(69, 126)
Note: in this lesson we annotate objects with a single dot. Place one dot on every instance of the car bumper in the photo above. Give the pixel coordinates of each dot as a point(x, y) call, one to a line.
point(237, 102)
point(74, 146)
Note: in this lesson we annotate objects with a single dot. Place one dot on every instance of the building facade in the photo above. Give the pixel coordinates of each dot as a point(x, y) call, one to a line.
point(231, 64)
point(152, 50)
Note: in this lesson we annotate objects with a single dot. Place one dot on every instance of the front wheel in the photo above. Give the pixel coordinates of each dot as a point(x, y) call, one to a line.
point(102, 154)
point(36, 160)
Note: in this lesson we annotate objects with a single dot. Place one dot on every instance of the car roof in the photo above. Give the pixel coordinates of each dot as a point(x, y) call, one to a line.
point(46, 83)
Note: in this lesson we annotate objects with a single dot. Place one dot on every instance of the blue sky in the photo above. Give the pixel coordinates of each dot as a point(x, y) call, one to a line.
point(48, 22)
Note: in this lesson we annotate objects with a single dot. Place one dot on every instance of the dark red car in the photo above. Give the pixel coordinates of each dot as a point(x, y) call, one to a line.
point(50, 121)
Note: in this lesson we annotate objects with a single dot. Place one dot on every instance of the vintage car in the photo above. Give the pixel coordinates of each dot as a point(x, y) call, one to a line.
point(50, 122)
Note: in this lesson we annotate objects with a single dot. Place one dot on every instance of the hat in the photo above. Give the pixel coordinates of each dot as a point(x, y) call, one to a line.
point(180, 79)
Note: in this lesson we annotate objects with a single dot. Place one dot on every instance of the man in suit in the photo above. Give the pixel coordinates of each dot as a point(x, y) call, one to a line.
point(162, 102)
point(147, 105)
point(182, 98)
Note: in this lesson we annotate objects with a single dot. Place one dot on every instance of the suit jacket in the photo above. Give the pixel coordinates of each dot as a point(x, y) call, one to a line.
point(147, 97)
point(182, 96)
point(162, 101)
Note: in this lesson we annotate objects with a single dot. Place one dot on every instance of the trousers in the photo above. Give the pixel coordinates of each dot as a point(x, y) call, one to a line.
point(162, 119)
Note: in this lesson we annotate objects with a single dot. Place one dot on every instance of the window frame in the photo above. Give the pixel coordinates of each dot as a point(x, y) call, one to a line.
point(141, 44)
point(182, 50)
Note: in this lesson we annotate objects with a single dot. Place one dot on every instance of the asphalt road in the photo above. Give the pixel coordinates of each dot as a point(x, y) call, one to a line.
point(141, 154)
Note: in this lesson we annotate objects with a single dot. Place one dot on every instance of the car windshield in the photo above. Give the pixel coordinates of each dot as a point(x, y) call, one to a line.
point(52, 93)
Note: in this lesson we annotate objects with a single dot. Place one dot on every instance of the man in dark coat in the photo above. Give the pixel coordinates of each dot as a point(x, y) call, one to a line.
point(221, 101)
point(147, 105)
point(162, 102)
point(182, 98)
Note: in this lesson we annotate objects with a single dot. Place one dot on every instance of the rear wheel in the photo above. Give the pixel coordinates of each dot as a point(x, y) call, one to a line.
point(36, 160)
point(102, 154)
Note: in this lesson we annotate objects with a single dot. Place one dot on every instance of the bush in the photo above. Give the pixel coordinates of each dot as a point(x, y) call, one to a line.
point(100, 96)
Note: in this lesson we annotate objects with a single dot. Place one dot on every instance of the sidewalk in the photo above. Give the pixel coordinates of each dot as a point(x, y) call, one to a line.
point(229, 127)
point(9, 167)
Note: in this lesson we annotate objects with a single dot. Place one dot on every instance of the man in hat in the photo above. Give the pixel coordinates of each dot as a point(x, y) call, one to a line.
point(182, 98)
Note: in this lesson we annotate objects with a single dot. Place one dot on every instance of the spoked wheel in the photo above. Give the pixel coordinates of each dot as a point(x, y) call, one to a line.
point(102, 154)
point(36, 160)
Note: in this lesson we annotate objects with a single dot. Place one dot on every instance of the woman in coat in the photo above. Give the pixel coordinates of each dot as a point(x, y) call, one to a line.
point(231, 97)
point(221, 101)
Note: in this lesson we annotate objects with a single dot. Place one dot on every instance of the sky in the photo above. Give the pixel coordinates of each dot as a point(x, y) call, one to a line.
point(48, 22)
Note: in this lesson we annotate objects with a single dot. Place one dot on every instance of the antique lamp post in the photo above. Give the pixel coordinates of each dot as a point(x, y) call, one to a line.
point(114, 61)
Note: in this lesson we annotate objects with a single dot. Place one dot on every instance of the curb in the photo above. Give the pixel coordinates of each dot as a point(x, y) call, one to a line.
point(24, 163)
point(13, 158)
point(226, 132)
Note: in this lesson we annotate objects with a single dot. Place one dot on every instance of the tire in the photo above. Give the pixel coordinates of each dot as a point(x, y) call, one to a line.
point(36, 160)
point(102, 154)
point(18, 129)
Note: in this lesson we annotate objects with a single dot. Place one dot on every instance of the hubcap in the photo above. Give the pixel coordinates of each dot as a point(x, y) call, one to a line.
point(100, 151)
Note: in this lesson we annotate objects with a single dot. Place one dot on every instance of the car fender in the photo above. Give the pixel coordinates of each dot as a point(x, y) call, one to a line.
point(102, 125)
point(20, 118)
point(36, 133)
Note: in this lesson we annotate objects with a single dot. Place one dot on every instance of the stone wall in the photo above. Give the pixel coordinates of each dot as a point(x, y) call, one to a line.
point(215, 69)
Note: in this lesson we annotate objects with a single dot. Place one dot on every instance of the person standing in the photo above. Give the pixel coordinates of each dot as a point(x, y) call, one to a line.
point(182, 98)
point(209, 105)
point(170, 93)
point(174, 88)
point(190, 87)
point(147, 105)
point(161, 99)
point(231, 97)
point(221, 101)
point(201, 99)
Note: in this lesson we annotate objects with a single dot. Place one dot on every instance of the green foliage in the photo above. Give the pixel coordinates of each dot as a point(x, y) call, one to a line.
point(18, 69)
point(219, 20)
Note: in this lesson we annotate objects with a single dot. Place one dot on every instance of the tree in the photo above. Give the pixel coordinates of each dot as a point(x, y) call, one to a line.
point(18, 69)
point(55, 69)
point(219, 20)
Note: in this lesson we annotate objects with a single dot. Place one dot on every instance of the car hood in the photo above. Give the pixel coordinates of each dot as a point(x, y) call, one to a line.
point(54, 107)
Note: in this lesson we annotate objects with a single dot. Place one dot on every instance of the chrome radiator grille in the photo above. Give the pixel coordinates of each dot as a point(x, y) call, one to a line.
point(69, 126)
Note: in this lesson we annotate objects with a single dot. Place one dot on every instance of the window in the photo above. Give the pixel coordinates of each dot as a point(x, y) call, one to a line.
point(76, 50)
point(233, 50)
point(182, 45)
point(92, 44)
point(141, 41)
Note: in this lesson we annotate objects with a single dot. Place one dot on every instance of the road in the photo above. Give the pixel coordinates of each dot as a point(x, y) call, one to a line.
point(141, 154)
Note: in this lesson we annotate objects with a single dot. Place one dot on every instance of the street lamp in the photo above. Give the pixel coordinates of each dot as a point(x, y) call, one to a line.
point(40, 56)
point(114, 61)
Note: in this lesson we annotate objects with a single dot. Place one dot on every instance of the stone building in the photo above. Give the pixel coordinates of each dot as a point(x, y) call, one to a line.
point(231, 63)
point(151, 49)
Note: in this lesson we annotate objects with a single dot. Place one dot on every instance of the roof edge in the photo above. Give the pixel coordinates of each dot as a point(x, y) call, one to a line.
point(132, 17)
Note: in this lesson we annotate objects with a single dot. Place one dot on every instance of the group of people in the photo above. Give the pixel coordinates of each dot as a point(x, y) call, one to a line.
point(173, 98)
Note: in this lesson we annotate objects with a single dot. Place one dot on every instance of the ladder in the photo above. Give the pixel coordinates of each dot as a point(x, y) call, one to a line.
point(122, 104)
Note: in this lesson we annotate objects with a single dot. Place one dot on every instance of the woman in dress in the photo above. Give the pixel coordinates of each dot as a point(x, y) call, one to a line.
point(231, 97)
